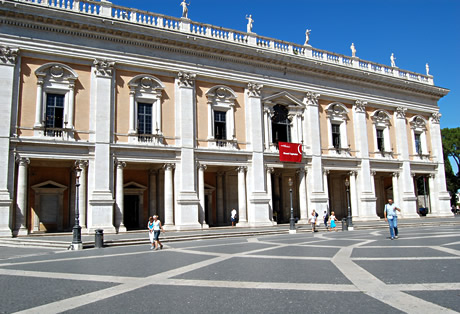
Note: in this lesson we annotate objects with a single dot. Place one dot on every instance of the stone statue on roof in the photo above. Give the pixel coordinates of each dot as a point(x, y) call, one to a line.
point(353, 50)
point(250, 22)
point(184, 6)
point(427, 67)
point(392, 59)
point(307, 37)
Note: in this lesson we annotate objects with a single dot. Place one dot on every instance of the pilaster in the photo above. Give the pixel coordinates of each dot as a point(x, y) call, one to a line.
point(242, 209)
point(169, 196)
point(302, 173)
point(119, 197)
point(22, 197)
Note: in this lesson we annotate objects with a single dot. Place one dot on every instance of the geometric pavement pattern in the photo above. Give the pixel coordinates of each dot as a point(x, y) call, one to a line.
point(360, 271)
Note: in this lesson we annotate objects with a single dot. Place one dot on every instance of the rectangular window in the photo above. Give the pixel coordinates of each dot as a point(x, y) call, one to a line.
point(380, 141)
point(220, 125)
point(336, 136)
point(144, 118)
point(54, 115)
point(418, 143)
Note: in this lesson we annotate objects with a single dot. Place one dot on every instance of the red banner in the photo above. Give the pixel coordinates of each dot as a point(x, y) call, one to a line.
point(290, 152)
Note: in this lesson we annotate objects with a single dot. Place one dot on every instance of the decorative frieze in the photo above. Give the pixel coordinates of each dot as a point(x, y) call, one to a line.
point(8, 56)
point(103, 68)
point(186, 79)
point(254, 89)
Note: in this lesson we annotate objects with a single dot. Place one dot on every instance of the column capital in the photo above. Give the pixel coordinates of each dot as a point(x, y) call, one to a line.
point(120, 164)
point(301, 170)
point(23, 161)
point(311, 98)
point(242, 169)
point(169, 166)
point(431, 175)
point(395, 174)
point(373, 173)
point(153, 171)
point(401, 112)
point(360, 106)
point(186, 79)
point(435, 117)
point(82, 164)
point(269, 169)
point(353, 173)
point(202, 167)
point(254, 89)
point(326, 171)
point(8, 56)
point(103, 68)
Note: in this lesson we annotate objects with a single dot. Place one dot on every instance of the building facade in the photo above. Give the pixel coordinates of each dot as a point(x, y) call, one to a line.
point(182, 119)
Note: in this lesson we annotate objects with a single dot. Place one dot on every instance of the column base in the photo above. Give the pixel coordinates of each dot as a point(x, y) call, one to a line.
point(242, 224)
point(292, 231)
point(204, 226)
point(302, 222)
point(122, 228)
point(274, 223)
point(76, 246)
point(22, 232)
point(6, 233)
point(196, 226)
point(169, 227)
point(409, 216)
point(107, 229)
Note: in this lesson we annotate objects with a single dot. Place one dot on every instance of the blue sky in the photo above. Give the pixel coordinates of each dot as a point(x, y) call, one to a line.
point(416, 31)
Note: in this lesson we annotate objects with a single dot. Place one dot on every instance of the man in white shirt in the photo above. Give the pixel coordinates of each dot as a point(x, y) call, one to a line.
point(233, 216)
point(390, 216)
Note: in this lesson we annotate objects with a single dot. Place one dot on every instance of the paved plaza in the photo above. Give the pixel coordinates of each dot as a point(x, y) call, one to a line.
point(359, 271)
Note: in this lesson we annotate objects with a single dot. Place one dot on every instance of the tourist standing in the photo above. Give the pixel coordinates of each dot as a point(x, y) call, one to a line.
point(333, 220)
point(157, 227)
point(325, 219)
point(150, 227)
point(390, 216)
point(233, 216)
point(313, 220)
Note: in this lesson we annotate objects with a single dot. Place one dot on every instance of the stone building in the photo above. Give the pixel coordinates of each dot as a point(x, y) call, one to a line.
point(182, 119)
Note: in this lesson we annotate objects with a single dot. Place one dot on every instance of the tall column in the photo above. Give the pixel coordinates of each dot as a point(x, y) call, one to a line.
point(326, 187)
point(353, 195)
point(220, 198)
point(270, 192)
point(317, 189)
point(395, 184)
point(21, 197)
point(303, 196)
point(169, 196)
point(201, 189)
point(101, 170)
point(71, 107)
point(365, 181)
point(258, 207)
point(188, 203)
point(434, 208)
point(408, 200)
point(210, 121)
point(153, 193)
point(266, 131)
point(441, 198)
point(9, 78)
point(39, 103)
point(276, 193)
point(132, 112)
point(83, 165)
point(242, 217)
point(120, 198)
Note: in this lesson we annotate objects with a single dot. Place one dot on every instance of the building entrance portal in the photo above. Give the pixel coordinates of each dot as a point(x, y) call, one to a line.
point(131, 215)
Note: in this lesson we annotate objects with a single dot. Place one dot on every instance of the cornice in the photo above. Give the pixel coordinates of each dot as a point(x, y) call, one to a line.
point(94, 27)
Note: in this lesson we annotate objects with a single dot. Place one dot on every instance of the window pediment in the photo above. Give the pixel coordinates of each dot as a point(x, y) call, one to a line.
point(381, 118)
point(337, 112)
point(284, 98)
point(221, 97)
point(418, 123)
point(49, 185)
point(56, 72)
point(146, 86)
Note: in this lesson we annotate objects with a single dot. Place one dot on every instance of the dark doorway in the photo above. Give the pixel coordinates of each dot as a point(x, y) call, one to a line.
point(131, 216)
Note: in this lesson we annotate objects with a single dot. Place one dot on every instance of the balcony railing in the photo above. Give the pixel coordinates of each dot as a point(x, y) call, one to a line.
point(108, 10)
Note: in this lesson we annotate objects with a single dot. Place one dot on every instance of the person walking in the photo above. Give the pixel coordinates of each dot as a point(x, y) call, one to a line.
point(233, 216)
point(390, 216)
point(313, 220)
point(157, 227)
point(325, 219)
point(333, 220)
point(150, 227)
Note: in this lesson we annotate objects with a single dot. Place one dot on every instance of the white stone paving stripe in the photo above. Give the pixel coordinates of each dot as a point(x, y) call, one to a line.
point(375, 288)
point(67, 276)
point(412, 258)
point(426, 286)
point(446, 249)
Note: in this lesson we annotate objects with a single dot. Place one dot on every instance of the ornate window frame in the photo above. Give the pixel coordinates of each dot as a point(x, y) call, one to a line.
point(382, 121)
point(296, 109)
point(55, 78)
point(145, 88)
point(337, 113)
point(418, 124)
point(222, 98)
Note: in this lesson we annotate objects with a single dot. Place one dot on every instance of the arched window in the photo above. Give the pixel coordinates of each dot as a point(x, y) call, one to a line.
point(382, 144)
point(419, 146)
point(55, 103)
point(337, 136)
point(145, 114)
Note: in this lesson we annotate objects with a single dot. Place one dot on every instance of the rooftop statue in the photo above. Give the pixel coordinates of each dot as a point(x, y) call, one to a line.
point(250, 21)
point(307, 36)
point(427, 67)
point(392, 59)
point(353, 50)
point(184, 6)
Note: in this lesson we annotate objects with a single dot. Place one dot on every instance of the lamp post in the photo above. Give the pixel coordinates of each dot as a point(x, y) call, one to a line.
point(349, 217)
point(292, 220)
point(76, 240)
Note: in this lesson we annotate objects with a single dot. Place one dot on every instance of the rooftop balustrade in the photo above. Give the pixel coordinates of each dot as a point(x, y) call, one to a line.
point(108, 10)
